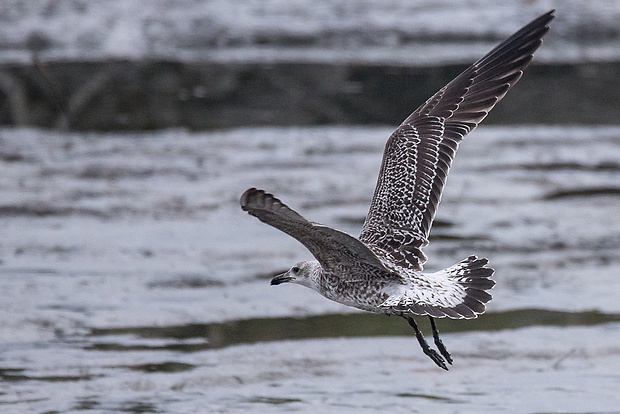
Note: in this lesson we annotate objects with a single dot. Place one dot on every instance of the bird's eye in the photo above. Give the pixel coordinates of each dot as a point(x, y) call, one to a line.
point(295, 269)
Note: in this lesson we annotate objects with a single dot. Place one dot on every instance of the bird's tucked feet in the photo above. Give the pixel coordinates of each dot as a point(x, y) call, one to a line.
point(440, 346)
point(431, 353)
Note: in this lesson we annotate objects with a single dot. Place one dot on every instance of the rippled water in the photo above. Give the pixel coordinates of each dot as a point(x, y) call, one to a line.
point(132, 282)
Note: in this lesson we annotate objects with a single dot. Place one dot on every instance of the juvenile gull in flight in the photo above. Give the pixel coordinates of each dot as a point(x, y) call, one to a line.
point(382, 271)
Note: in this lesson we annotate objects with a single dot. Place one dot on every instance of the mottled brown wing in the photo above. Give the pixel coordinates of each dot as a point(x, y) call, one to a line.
point(419, 153)
point(327, 245)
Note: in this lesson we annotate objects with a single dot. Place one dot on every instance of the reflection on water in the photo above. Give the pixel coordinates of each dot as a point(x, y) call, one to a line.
point(352, 374)
point(198, 337)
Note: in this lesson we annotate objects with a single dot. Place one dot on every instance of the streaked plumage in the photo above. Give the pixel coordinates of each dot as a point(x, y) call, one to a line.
point(383, 271)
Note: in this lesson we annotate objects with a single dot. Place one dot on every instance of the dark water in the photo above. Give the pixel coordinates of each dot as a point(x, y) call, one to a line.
point(117, 65)
point(132, 282)
point(248, 331)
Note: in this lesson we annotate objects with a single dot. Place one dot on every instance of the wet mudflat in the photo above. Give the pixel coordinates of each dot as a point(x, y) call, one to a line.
point(132, 282)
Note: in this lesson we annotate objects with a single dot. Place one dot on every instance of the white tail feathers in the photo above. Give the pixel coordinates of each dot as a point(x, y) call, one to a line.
point(457, 292)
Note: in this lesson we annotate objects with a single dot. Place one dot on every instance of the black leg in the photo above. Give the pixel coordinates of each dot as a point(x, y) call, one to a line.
point(440, 346)
point(431, 353)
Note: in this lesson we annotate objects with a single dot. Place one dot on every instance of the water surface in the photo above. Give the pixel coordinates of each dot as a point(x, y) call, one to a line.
point(132, 282)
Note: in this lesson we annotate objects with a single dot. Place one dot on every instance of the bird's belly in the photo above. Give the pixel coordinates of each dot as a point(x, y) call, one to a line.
point(357, 294)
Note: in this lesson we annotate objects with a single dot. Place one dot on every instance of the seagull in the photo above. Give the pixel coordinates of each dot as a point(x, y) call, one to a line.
point(382, 270)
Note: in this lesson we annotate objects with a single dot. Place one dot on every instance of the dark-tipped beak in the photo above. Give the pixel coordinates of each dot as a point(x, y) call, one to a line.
point(281, 278)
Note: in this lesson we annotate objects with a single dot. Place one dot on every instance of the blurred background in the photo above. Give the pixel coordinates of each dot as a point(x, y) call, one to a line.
point(117, 65)
point(131, 281)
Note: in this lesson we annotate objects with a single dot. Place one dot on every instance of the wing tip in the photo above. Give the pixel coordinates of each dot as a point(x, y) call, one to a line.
point(542, 20)
point(258, 202)
point(549, 15)
point(254, 198)
point(541, 24)
point(247, 196)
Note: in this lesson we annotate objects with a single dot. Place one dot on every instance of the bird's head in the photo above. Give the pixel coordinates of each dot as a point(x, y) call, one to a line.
point(303, 273)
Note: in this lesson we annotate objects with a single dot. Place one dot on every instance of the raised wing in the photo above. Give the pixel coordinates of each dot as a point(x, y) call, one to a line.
point(320, 240)
point(419, 153)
